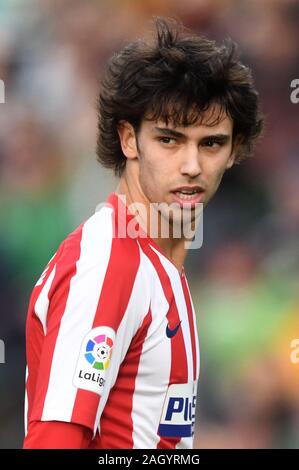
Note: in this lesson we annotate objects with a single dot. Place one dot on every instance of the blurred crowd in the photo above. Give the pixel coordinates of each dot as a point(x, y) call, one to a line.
point(244, 280)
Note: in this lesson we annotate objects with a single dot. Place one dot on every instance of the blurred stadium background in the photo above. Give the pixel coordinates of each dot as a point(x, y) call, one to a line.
point(244, 279)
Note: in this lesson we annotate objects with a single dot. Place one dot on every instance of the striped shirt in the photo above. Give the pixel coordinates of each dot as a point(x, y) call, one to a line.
point(112, 340)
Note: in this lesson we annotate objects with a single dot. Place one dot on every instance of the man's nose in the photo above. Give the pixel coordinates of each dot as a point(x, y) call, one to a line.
point(191, 165)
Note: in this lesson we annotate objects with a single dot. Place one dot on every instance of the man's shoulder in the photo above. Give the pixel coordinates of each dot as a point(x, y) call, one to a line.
point(94, 242)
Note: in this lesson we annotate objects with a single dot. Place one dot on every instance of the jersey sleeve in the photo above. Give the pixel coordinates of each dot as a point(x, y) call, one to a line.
point(89, 307)
point(56, 435)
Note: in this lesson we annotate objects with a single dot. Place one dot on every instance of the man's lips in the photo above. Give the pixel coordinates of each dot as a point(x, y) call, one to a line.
point(188, 196)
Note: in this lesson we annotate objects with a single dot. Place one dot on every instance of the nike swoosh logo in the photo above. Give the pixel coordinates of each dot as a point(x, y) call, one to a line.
point(171, 332)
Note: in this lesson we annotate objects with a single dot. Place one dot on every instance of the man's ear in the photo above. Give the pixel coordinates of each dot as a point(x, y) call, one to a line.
point(127, 139)
point(238, 140)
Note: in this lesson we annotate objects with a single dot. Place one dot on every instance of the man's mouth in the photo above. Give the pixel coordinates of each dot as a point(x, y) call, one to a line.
point(188, 194)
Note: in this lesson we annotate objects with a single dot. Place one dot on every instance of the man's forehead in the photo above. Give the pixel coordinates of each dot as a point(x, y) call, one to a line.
point(214, 118)
point(209, 123)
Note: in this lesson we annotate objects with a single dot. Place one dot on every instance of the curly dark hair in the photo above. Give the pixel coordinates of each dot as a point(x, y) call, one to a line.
point(175, 76)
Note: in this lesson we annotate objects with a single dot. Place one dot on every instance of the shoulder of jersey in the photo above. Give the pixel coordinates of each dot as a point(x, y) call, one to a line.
point(96, 233)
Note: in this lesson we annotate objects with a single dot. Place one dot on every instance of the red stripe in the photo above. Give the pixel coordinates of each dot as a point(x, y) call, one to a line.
point(116, 420)
point(35, 333)
point(179, 364)
point(38, 288)
point(191, 324)
point(59, 291)
point(118, 283)
point(85, 408)
point(113, 301)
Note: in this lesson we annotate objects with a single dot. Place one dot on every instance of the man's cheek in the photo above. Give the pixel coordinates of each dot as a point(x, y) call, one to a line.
point(213, 184)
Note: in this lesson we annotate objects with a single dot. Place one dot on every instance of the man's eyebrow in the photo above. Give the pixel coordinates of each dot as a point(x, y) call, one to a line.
point(222, 137)
point(166, 130)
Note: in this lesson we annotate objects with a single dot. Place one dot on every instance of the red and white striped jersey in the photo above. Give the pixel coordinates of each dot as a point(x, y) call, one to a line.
point(112, 340)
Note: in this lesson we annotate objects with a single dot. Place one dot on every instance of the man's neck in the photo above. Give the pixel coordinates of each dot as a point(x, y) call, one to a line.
point(173, 248)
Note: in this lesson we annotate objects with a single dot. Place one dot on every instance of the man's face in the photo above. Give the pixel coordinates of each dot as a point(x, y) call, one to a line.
point(193, 156)
point(168, 162)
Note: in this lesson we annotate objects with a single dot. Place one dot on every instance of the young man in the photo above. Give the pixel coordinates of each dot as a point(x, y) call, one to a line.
point(112, 346)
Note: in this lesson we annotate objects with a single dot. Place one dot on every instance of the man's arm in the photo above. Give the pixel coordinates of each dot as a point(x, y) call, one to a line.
point(82, 303)
point(57, 435)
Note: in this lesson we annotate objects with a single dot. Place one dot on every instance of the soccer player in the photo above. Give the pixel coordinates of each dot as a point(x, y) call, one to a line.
point(112, 348)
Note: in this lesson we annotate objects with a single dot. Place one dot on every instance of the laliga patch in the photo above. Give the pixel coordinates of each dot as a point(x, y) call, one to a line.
point(94, 359)
point(178, 415)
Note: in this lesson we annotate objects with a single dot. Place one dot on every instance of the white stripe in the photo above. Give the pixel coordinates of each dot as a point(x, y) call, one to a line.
point(196, 334)
point(43, 274)
point(178, 292)
point(78, 317)
point(133, 317)
point(185, 443)
point(42, 302)
point(154, 368)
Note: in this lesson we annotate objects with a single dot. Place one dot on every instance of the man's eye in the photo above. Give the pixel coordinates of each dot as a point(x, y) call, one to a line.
point(212, 143)
point(167, 140)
